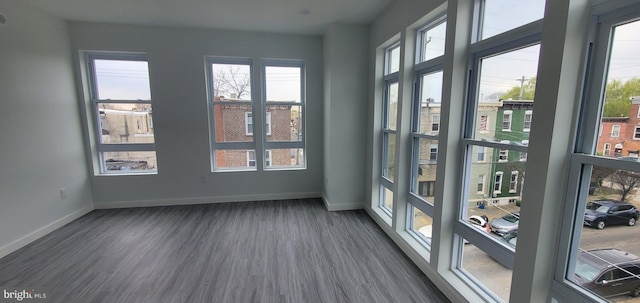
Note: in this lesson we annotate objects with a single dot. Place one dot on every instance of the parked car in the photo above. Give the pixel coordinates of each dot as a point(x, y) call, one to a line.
point(505, 224)
point(609, 272)
point(511, 238)
point(607, 212)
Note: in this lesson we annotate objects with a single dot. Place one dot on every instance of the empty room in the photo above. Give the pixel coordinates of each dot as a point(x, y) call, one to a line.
point(327, 151)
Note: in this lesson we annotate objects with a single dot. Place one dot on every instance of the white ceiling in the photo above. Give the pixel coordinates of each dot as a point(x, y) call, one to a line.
point(254, 15)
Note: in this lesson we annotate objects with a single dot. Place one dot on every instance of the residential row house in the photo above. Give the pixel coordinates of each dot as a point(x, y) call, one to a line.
point(620, 136)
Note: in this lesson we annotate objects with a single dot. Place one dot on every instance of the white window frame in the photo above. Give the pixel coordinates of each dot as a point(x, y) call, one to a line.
point(212, 102)
point(497, 183)
point(101, 148)
point(513, 182)
point(433, 152)
point(507, 122)
point(606, 149)
point(480, 184)
point(293, 144)
point(503, 155)
point(248, 121)
point(435, 122)
point(486, 125)
point(482, 151)
point(251, 157)
point(615, 131)
point(528, 115)
point(636, 133)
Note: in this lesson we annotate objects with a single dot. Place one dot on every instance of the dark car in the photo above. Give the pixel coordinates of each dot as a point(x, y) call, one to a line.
point(609, 272)
point(606, 212)
point(505, 224)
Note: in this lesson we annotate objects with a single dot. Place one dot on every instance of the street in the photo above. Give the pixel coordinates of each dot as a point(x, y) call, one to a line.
point(498, 278)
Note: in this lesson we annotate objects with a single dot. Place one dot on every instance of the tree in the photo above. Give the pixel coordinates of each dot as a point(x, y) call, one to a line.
point(622, 181)
point(229, 81)
point(617, 99)
point(529, 90)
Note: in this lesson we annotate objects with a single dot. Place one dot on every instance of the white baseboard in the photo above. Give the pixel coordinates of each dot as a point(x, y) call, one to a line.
point(203, 200)
point(41, 232)
point(340, 207)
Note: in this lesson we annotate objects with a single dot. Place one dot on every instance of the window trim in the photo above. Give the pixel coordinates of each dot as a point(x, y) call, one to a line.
point(615, 133)
point(508, 113)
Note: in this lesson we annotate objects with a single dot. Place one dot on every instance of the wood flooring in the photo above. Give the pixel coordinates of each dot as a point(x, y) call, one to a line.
point(267, 251)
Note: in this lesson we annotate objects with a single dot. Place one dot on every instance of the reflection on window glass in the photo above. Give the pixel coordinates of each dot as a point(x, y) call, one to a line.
point(493, 275)
point(619, 135)
point(432, 42)
point(607, 263)
point(421, 224)
point(122, 80)
point(495, 191)
point(128, 161)
point(506, 93)
point(424, 179)
point(504, 15)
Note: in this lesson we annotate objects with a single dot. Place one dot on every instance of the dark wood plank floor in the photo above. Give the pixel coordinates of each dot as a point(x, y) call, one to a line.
point(273, 251)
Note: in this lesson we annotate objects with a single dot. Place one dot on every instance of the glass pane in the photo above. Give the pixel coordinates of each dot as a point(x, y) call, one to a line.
point(428, 120)
point(285, 158)
point(620, 123)
point(284, 123)
point(506, 93)
point(393, 60)
point(608, 262)
point(433, 42)
point(389, 152)
point(386, 199)
point(231, 82)
point(233, 122)
point(504, 15)
point(424, 179)
point(489, 272)
point(235, 158)
point(284, 84)
point(495, 179)
point(122, 80)
point(391, 106)
point(421, 223)
point(125, 123)
point(130, 161)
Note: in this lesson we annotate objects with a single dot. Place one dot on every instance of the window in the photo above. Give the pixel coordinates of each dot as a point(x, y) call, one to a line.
point(435, 122)
point(593, 176)
point(285, 114)
point(481, 153)
point(248, 122)
point(121, 104)
point(390, 89)
point(484, 121)
point(606, 150)
point(636, 133)
point(498, 20)
point(392, 59)
point(506, 120)
point(480, 183)
point(231, 107)
point(527, 120)
point(513, 183)
point(497, 182)
point(433, 152)
point(431, 40)
point(615, 131)
point(251, 158)
point(503, 156)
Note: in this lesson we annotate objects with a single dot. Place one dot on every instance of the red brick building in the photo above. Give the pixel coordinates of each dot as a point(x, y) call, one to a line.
point(620, 136)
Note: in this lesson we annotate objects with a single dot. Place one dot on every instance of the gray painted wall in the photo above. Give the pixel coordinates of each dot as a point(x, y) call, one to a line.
point(346, 85)
point(178, 89)
point(42, 149)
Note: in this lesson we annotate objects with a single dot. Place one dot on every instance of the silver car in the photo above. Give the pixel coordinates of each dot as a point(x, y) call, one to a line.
point(506, 224)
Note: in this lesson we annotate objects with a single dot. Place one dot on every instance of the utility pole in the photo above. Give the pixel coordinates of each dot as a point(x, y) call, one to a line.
point(522, 86)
